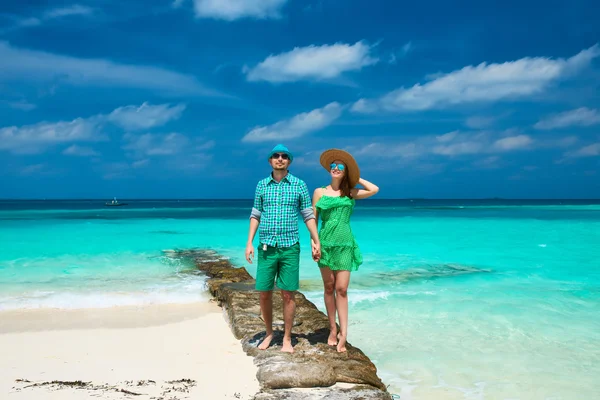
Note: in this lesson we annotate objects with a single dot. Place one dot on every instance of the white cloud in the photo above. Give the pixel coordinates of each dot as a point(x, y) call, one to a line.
point(364, 106)
point(75, 9)
point(513, 143)
point(145, 116)
point(80, 151)
point(156, 144)
point(35, 138)
point(32, 169)
point(230, 10)
point(27, 22)
point(192, 163)
point(33, 65)
point(22, 105)
point(491, 162)
point(452, 144)
point(140, 163)
point(592, 150)
point(297, 126)
point(116, 170)
point(455, 149)
point(482, 83)
point(402, 53)
point(38, 137)
point(205, 146)
point(447, 137)
point(479, 143)
point(564, 142)
point(579, 117)
point(406, 150)
point(312, 63)
point(49, 15)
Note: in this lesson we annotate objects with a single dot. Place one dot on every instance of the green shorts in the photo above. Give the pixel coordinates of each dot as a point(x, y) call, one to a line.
point(282, 263)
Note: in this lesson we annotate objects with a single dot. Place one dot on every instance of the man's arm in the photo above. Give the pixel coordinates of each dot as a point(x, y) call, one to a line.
point(311, 224)
point(307, 211)
point(251, 233)
point(316, 197)
point(257, 208)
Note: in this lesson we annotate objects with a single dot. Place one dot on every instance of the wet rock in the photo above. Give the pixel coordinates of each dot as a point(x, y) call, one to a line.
point(315, 370)
point(430, 272)
point(336, 392)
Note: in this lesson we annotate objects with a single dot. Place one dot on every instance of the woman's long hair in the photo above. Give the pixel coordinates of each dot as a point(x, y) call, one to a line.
point(345, 185)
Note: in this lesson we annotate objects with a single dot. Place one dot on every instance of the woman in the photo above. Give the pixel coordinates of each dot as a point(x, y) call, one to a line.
point(339, 251)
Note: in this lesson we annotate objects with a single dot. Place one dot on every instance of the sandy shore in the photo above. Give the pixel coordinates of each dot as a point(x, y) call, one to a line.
point(166, 351)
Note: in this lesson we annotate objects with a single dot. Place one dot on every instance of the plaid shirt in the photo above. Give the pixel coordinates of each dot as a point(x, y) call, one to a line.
point(277, 205)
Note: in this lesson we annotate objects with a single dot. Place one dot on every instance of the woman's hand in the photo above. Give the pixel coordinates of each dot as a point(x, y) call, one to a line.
point(368, 191)
point(316, 250)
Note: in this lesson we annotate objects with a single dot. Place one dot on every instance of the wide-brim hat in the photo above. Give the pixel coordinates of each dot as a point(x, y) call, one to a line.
point(352, 170)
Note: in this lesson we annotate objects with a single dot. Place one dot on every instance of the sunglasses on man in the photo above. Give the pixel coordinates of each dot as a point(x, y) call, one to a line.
point(280, 155)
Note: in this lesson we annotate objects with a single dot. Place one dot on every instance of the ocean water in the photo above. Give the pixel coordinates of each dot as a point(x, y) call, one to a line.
point(479, 299)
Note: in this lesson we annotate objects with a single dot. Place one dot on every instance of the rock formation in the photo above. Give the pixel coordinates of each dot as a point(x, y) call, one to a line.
point(315, 370)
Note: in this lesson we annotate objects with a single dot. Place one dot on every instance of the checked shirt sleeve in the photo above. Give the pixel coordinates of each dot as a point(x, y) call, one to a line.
point(305, 203)
point(257, 208)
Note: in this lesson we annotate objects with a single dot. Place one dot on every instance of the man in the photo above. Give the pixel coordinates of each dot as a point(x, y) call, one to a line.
point(277, 202)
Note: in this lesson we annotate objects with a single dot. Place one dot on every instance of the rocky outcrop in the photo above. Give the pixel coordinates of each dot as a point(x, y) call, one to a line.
point(315, 370)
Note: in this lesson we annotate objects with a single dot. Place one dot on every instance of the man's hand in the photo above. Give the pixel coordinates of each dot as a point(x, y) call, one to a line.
point(249, 252)
point(316, 251)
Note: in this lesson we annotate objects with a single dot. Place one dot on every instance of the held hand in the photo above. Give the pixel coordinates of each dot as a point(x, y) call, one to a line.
point(315, 256)
point(249, 252)
point(316, 251)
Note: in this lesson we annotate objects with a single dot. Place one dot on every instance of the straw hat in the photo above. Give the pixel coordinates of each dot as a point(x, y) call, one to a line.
point(352, 169)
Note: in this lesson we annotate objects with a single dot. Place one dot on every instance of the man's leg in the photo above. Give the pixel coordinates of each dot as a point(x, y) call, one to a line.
point(289, 309)
point(266, 308)
point(288, 280)
point(265, 278)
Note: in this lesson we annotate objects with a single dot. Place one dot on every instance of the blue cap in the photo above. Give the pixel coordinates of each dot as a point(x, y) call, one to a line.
point(281, 149)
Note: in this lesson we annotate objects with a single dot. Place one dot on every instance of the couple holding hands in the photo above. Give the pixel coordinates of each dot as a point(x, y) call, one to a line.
point(279, 200)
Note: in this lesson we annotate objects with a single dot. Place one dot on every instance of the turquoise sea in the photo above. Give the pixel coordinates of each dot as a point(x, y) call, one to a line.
point(477, 299)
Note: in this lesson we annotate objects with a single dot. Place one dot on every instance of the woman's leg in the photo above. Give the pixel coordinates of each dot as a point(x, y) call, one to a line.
point(329, 295)
point(342, 280)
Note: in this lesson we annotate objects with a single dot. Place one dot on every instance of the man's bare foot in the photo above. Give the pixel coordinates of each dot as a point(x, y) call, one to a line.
point(287, 346)
point(341, 346)
point(266, 342)
point(332, 339)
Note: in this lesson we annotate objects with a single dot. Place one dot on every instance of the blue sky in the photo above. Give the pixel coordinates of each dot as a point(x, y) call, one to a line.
point(185, 98)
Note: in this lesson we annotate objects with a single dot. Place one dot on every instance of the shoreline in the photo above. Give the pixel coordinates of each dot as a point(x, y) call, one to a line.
point(116, 317)
point(175, 350)
point(154, 351)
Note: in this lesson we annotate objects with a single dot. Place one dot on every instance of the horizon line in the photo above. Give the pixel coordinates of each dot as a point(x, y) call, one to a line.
point(252, 198)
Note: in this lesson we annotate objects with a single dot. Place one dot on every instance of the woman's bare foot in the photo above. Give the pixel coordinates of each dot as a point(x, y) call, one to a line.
point(287, 346)
point(266, 342)
point(341, 346)
point(332, 339)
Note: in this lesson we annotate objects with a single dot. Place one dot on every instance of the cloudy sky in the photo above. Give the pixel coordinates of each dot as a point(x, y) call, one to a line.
point(185, 98)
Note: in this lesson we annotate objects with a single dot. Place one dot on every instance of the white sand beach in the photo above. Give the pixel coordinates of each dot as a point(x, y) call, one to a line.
point(156, 351)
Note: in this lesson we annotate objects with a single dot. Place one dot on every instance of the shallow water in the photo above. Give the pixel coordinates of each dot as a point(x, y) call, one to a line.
point(456, 299)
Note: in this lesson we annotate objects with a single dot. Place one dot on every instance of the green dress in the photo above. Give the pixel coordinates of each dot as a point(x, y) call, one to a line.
point(339, 250)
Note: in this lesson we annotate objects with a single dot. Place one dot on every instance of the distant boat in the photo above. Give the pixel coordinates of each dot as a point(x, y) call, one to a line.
point(114, 203)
